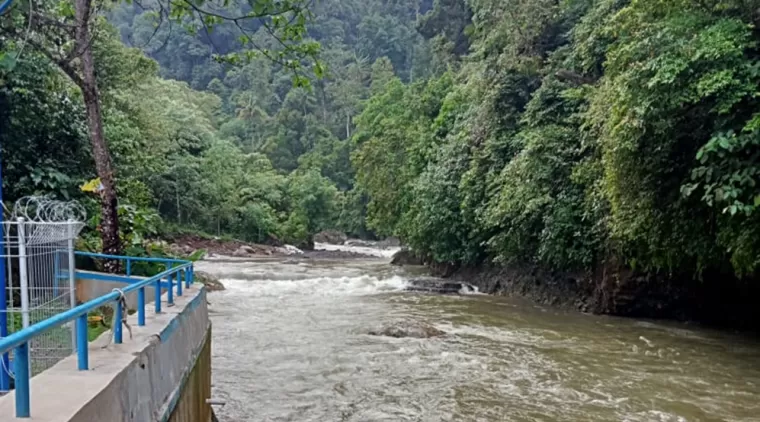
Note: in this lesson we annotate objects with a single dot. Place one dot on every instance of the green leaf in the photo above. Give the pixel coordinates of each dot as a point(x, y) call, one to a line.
point(7, 61)
point(319, 70)
point(259, 7)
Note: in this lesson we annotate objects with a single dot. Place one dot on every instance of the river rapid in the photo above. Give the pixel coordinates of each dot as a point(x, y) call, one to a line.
point(290, 343)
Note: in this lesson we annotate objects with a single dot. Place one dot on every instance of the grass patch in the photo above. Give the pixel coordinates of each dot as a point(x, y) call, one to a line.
point(98, 322)
point(97, 319)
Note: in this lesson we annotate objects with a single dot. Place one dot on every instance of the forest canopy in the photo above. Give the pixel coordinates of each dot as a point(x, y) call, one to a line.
point(572, 134)
point(566, 134)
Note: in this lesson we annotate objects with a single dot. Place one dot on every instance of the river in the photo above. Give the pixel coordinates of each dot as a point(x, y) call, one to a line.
point(290, 343)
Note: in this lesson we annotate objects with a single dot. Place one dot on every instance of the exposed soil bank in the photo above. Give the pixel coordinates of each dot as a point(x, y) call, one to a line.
point(715, 299)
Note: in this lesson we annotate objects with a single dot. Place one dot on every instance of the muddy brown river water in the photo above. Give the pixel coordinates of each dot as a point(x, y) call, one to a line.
point(290, 343)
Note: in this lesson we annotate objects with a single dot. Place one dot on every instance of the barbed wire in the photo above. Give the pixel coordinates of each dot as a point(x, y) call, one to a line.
point(43, 209)
point(44, 220)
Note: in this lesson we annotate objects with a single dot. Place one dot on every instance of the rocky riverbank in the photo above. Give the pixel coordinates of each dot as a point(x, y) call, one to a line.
point(186, 245)
point(713, 299)
point(210, 247)
point(614, 290)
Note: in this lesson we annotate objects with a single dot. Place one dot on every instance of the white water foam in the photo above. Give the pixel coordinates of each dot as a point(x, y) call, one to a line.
point(364, 250)
point(320, 286)
point(469, 289)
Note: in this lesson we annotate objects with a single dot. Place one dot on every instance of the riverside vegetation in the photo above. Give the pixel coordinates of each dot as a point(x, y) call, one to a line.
point(608, 149)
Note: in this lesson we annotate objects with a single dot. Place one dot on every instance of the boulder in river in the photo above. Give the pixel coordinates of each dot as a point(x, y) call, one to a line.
point(404, 329)
point(360, 243)
point(291, 250)
point(389, 242)
point(306, 245)
point(332, 237)
point(210, 281)
point(243, 251)
point(406, 257)
point(433, 285)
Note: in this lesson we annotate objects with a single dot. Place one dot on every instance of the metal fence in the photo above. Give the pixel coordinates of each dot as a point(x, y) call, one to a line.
point(37, 281)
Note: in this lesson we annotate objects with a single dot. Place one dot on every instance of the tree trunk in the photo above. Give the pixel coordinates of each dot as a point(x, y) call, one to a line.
point(348, 126)
point(109, 221)
point(324, 102)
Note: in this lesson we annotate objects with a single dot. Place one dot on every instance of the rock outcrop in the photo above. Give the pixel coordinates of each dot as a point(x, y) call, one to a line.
point(243, 251)
point(389, 242)
point(406, 257)
point(432, 285)
point(189, 245)
point(403, 329)
point(360, 243)
point(331, 237)
point(211, 282)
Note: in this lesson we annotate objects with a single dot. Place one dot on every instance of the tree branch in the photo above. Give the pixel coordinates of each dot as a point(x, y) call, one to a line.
point(65, 66)
point(53, 22)
point(236, 18)
point(208, 32)
point(158, 25)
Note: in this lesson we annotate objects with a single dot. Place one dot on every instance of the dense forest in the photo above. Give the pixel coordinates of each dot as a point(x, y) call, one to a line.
point(571, 135)
point(222, 146)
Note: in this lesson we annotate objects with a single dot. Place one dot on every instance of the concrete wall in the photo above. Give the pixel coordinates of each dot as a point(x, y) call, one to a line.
point(191, 405)
point(90, 288)
point(163, 373)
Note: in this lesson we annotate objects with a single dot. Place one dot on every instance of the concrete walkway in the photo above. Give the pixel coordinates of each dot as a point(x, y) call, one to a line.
point(133, 381)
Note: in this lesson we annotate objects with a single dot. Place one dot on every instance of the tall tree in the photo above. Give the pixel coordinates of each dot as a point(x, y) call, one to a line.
point(88, 83)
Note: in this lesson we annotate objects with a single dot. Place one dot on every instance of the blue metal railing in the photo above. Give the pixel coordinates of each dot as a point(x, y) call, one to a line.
point(19, 341)
point(4, 5)
point(130, 259)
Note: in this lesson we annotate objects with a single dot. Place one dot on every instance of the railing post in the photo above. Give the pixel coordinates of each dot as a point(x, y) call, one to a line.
point(141, 306)
point(21, 373)
point(56, 273)
point(179, 282)
point(72, 273)
point(83, 358)
point(116, 323)
point(23, 274)
point(158, 296)
point(189, 276)
point(129, 267)
point(5, 382)
point(170, 290)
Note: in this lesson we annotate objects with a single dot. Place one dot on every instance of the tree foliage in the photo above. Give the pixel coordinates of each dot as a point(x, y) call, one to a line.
point(579, 133)
point(566, 134)
point(203, 122)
